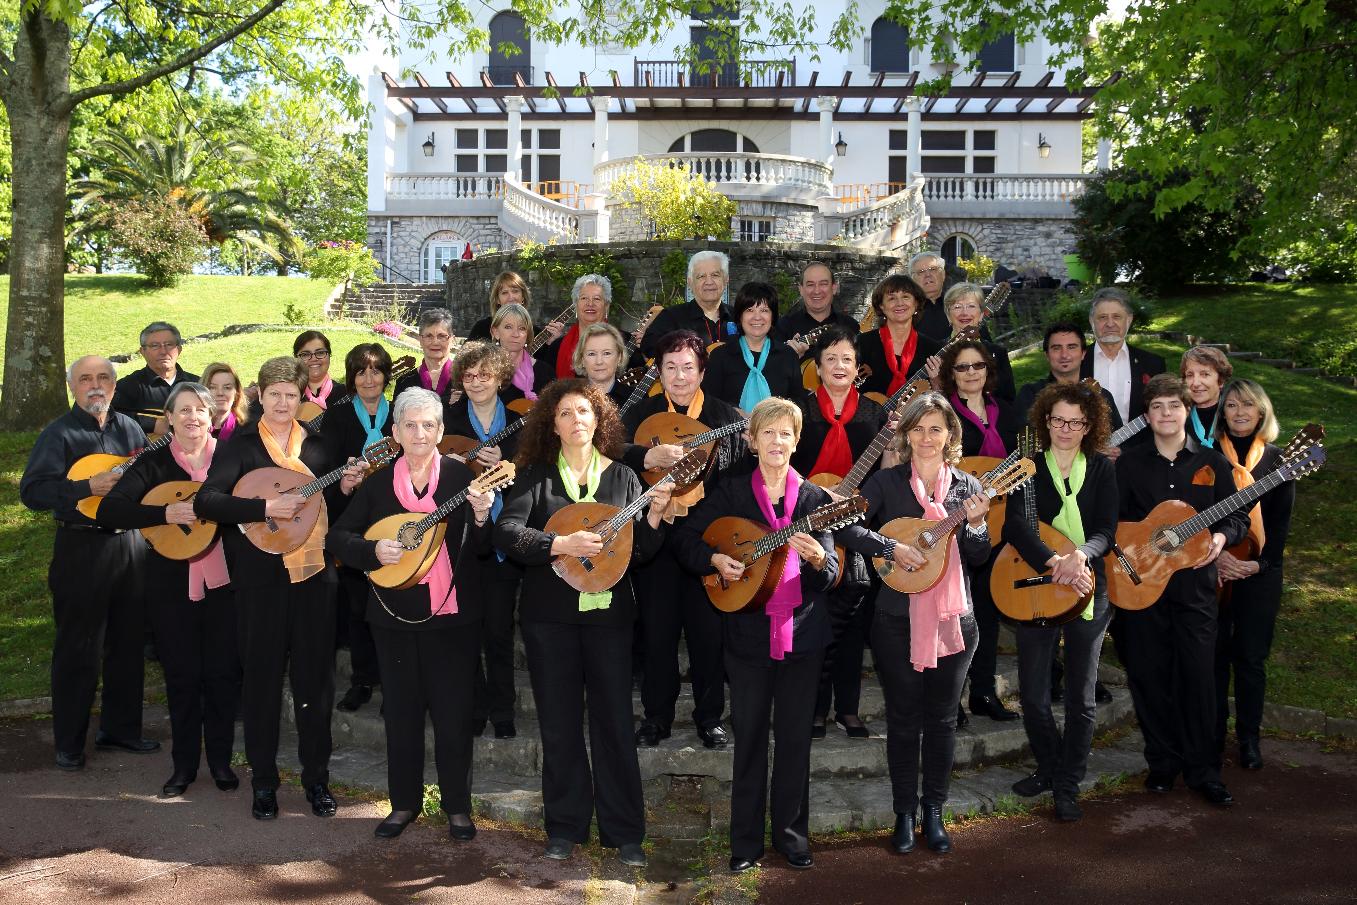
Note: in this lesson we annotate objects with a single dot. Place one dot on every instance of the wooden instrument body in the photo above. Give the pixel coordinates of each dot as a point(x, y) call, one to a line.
point(178, 542)
point(736, 537)
point(907, 531)
point(1041, 604)
point(600, 572)
point(419, 554)
point(976, 467)
point(810, 375)
point(522, 405)
point(87, 467)
point(457, 445)
point(1151, 550)
point(275, 535)
point(308, 411)
point(672, 428)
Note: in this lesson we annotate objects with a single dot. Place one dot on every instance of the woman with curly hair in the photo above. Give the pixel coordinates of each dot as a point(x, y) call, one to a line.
point(1075, 489)
point(579, 644)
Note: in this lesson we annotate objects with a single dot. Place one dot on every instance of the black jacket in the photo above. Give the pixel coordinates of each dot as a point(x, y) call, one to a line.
point(866, 423)
point(146, 391)
point(1029, 392)
point(1144, 365)
point(457, 421)
point(689, 316)
point(44, 486)
point(726, 372)
point(873, 354)
point(1009, 423)
point(1097, 501)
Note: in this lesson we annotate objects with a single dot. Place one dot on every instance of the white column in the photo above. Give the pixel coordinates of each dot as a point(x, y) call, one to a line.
point(514, 105)
point(825, 105)
point(377, 142)
point(1104, 153)
point(600, 129)
point(914, 107)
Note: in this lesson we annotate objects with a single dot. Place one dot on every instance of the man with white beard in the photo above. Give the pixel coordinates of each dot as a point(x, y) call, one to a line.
point(1120, 368)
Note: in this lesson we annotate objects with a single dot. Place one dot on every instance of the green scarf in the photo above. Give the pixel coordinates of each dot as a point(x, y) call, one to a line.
point(1068, 521)
point(599, 600)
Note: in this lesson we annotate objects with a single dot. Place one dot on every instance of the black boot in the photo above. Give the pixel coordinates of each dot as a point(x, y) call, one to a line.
point(902, 840)
point(935, 834)
point(1250, 757)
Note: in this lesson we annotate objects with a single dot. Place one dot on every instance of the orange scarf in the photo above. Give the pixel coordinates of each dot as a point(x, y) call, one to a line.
point(1243, 477)
point(308, 559)
point(680, 504)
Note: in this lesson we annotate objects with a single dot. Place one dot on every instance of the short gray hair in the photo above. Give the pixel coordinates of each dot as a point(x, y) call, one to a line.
point(719, 257)
point(70, 369)
point(161, 327)
point(1112, 294)
point(416, 398)
point(433, 316)
point(923, 256)
point(182, 388)
point(598, 280)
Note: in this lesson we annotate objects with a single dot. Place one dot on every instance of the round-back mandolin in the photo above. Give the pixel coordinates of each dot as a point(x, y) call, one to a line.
point(672, 428)
point(178, 542)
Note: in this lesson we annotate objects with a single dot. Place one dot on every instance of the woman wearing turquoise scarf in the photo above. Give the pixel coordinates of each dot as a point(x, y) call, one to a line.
point(349, 428)
point(747, 369)
point(1076, 493)
point(579, 645)
point(1206, 371)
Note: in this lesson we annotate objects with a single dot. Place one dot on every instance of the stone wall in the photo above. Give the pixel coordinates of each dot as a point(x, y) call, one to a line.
point(409, 233)
point(1012, 242)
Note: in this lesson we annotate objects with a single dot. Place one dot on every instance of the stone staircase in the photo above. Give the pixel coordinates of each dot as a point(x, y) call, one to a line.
point(379, 298)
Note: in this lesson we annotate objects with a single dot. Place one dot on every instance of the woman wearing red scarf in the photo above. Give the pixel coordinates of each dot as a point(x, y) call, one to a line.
point(593, 296)
point(839, 423)
point(897, 350)
point(773, 657)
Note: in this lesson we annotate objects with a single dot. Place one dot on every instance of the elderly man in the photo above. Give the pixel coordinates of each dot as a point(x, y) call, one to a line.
point(142, 394)
point(930, 272)
point(95, 576)
point(706, 313)
point(818, 288)
point(1120, 368)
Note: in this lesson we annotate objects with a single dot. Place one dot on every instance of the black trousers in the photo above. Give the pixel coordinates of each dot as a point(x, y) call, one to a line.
point(1170, 659)
point(986, 659)
point(1062, 759)
point(428, 672)
point(568, 664)
point(920, 711)
point(841, 675)
point(287, 628)
point(98, 609)
point(201, 659)
point(495, 690)
point(1247, 623)
point(783, 692)
point(353, 588)
point(673, 603)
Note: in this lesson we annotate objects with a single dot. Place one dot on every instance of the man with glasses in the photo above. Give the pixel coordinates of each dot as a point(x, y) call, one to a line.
point(930, 272)
point(142, 394)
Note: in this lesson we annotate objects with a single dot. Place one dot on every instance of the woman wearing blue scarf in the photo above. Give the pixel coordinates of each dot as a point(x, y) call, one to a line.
point(747, 369)
point(1205, 371)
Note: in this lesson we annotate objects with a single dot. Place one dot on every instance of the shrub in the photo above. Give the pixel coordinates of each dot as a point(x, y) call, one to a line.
point(979, 269)
point(350, 263)
point(161, 237)
point(1328, 256)
point(677, 203)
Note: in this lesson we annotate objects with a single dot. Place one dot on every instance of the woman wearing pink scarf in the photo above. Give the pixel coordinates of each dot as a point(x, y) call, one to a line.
point(922, 643)
point(190, 603)
point(773, 656)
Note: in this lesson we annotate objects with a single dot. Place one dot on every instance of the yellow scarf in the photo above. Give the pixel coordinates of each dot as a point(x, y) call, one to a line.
point(1243, 477)
point(679, 505)
point(308, 559)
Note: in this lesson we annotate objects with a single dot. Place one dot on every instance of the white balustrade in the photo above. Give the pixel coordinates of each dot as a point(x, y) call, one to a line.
point(755, 170)
point(437, 186)
point(904, 209)
point(988, 187)
point(551, 218)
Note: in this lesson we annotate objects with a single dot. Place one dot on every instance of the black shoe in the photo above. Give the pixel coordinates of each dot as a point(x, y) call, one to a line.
point(506, 729)
point(713, 736)
point(1100, 694)
point(935, 834)
point(355, 697)
point(69, 761)
point(902, 840)
point(394, 824)
point(224, 777)
point(740, 865)
point(1250, 757)
point(855, 729)
point(649, 734)
point(1215, 793)
point(323, 804)
point(134, 745)
point(800, 860)
point(559, 849)
point(1067, 809)
point(631, 855)
point(265, 804)
point(477, 725)
point(989, 705)
point(1057, 693)
point(817, 728)
point(1032, 786)
point(177, 784)
point(962, 720)
point(1159, 782)
point(461, 832)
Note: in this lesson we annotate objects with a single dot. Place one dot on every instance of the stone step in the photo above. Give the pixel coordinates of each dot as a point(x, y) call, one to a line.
point(1246, 356)
point(1283, 363)
point(1308, 372)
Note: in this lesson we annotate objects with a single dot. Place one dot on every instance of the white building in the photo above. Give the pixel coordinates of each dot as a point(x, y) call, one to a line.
point(473, 151)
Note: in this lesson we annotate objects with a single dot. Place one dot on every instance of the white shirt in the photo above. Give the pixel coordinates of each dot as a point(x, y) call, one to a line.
point(1114, 374)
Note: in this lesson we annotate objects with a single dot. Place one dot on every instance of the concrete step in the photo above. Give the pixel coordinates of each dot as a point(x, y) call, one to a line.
point(1246, 356)
point(1283, 363)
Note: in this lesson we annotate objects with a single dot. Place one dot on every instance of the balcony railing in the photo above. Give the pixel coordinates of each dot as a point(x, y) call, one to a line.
point(1004, 188)
point(680, 73)
point(761, 174)
point(421, 186)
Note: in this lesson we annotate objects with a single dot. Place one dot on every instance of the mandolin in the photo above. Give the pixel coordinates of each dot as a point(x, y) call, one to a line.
point(312, 416)
point(931, 537)
point(978, 467)
point(1174, 536)
point(465, 448)
point(521, 406)
point(422, 535)
point(763, 552)
point(274, 535)
point(810, 374)
point(670, 427)
point(1026, 594)
point(178, 542)
point(591, 574)
point(87, 467)
point(644, 383)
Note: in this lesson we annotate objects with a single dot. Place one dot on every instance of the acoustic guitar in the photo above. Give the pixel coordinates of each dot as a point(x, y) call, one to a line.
point(178, 542)
point(87, 467)
point(274, 535)
point(422, 535)
point(672, 428)
point(466, 449)
point(763, 552)
point(591, 574)
point(1174, 536)
point(312, 416)
point(931, 537)
point(1023, 593)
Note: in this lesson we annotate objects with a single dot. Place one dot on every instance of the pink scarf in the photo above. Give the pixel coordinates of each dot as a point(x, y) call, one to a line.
point(525, 376)
point(321, 398)
point(935, 614)
point(992, 444)
point(439, 578)
point(208, 570)
point(228, 427)
point(787, 595)
point(444, 376)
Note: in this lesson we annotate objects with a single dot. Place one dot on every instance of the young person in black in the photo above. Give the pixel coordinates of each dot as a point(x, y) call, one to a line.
point(749, 368)
point(705, 313)
point(897, 350)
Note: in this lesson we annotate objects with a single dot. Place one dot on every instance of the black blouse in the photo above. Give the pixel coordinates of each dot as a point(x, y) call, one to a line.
point(535, 497)
point(1010, 421)
point(344, 436)
point(726, 372)
point(408, 381)
point(731, 450)
point(862, 428)
point(873, 354)
point(1097, 501)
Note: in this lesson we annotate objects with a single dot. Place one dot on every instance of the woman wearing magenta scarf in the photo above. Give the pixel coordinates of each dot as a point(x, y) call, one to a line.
point(190, 603)
point(773, 656)
point(435, 340)
point(989, 427)
point(511, 329)
point(922, 643)
point(228, 399)
point(428, 635)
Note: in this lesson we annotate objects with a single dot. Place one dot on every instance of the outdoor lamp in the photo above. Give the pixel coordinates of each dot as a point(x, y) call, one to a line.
point(428, 147)
point(1043, 146)
point(841, 146)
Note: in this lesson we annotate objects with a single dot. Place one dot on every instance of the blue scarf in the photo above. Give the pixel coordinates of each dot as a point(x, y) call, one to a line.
point(1204, 435)
point(756, 387)
point(497, 424)
point(369, 423)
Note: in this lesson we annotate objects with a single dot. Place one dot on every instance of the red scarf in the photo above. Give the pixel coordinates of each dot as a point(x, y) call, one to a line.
point(565, 355)
point(836, 456)
point(898, 366)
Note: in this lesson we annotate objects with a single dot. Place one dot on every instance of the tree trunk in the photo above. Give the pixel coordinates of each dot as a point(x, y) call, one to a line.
point(36, 96)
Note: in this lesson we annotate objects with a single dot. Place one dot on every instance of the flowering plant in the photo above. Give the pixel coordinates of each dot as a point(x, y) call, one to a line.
point(342, 261)
point(388, 328)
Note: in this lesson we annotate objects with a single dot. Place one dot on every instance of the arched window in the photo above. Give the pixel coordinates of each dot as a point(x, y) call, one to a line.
point(957, 245)
point(440, 250)
point(716, 141)
point(508, 28)
point(890, 46)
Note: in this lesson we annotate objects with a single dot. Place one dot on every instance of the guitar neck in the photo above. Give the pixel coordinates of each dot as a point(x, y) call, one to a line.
point(1241, 500)
point(628, 512)
point(162, 441)
point(311, 488)
point(543, 336)
point(640, 390)
point(715, 434)
point(1128, 430)
point(858, 473)
point(506, 431)
point(944, 528)
point(442, 512)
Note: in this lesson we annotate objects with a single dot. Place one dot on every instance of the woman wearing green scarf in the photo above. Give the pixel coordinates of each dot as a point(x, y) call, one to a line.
point(1076, 493)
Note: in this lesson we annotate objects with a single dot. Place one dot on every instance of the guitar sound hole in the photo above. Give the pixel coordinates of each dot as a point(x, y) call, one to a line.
point(1165, 541)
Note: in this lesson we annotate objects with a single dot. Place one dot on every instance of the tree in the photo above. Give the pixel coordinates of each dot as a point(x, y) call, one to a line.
point(675, 202)
point(162, 236)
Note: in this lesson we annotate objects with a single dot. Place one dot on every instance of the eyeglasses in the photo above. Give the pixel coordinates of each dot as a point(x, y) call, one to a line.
point(972, 366)
point(935, 270)
point(473, 377)
point(1076, 425)
point(157, 347)
point(318, 354)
